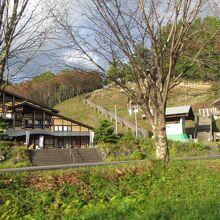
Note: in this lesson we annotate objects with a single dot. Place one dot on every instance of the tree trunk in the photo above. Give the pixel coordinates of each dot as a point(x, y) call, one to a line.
point(161, 145)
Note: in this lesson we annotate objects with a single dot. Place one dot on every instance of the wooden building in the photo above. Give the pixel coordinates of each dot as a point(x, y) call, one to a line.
point(40, 126)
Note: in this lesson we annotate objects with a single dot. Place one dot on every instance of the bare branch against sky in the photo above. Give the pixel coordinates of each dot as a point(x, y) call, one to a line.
point(24, 27)
point(147, 35)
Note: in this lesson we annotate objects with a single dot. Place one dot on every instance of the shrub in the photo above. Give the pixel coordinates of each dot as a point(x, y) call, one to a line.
point(148, 147)
point(136, 155)
point(18, 154)
point(104, 133)
point(5, 147)
point(178, 148)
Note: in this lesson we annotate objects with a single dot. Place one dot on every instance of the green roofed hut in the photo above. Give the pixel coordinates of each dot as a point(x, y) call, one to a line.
point(175, 122)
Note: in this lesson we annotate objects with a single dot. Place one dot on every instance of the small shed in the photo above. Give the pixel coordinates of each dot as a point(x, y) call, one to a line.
point(175, 122)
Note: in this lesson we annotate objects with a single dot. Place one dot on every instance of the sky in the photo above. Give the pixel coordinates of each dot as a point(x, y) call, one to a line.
point(52, 56)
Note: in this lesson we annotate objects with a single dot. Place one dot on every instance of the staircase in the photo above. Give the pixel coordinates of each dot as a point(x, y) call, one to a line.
point(140, 131)
point(86, 155)
point(45, 157)
point(204, 129)
point(56, 156)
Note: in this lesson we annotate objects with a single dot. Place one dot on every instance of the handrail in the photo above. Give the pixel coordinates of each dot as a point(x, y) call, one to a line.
point(196, 127)
point(109, 113)
point(211, 128)
point(71, 153)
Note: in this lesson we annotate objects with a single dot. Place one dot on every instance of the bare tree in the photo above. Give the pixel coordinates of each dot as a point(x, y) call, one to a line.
point(22, 33)
point(215, 7)
point(113, 32)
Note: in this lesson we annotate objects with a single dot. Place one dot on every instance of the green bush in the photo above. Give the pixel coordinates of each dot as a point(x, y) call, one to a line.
point(104, 133)
point(136, 155)
point(18, 154)
point(5, 147)
point(190, 148)
point(148, 147)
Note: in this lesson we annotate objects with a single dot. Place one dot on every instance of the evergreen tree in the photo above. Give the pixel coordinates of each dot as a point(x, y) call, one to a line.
point(104, 133)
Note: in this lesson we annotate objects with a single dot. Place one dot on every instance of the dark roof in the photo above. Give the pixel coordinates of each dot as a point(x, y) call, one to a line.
point(174, 113)
point(49, 112)
point(31, 105)
point(29, 100)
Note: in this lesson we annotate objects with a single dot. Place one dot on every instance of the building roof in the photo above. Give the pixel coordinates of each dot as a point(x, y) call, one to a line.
point(49, 112)
point(28, 100)
point(30, 105)
point(180, 111)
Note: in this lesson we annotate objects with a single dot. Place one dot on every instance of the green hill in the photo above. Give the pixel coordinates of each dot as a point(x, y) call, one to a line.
point(198, 95)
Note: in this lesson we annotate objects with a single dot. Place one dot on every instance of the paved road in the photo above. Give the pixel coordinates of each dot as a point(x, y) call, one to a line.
point(53, 167)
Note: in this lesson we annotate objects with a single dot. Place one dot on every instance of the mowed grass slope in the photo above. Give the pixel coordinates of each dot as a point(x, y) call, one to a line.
point(75, 108)
point(184, 190)
point(198, 95)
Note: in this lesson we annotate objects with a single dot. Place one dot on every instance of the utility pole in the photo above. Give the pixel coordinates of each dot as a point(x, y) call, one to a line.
point(136, 126)
point(116, 120)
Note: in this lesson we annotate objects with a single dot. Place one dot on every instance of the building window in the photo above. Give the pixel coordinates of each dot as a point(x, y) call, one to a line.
point(69, 128)
point(55, 128)
point(60, 128)
point(64, 128)
point(37, 122)
point(28, 121)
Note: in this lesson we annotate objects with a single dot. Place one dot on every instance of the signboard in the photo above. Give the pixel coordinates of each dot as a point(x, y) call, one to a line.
point(27, 138)
point(41, 141)
point(91, 138)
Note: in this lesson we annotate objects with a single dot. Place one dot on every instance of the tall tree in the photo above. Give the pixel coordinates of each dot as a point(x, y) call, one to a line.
point(22, 33)
point(113, 30)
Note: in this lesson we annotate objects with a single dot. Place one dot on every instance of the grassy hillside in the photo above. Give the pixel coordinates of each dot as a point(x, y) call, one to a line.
point(76, 109)
point(144, 191)
point(196, 94)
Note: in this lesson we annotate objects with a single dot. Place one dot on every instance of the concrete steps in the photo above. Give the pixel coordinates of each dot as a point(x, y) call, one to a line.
point(56, 156)
point(86, 155)
point(45, 157)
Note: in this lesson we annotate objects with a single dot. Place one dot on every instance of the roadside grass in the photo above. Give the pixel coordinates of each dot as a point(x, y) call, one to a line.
point(182, 190)
point(10, 164)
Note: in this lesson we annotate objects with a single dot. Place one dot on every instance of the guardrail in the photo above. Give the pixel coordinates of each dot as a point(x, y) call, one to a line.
point(119, 120)
point(207, 112)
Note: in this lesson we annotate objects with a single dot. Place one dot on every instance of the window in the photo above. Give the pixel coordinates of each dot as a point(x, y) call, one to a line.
point(55, 128)
point(28, 122)
point(37, 122)
point(64, 128)
point(69, 128)
point(60, 128)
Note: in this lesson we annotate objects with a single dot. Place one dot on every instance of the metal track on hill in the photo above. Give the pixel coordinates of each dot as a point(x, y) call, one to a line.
point(141, 131)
